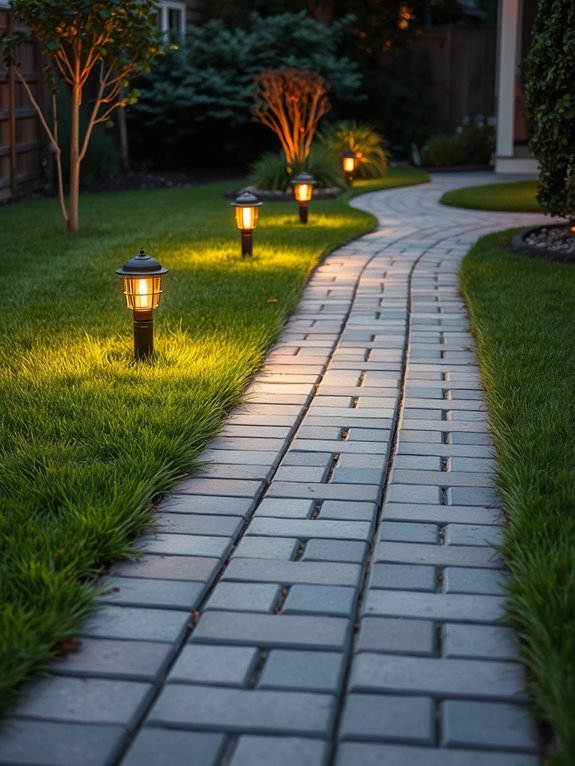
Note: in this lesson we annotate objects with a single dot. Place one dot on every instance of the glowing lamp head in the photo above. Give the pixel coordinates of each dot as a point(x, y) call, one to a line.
point(303, 185)
point(247, 211)
point(142, 283)
point(348, 162)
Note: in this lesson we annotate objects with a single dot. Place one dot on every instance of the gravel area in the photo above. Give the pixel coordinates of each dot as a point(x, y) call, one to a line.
point(555, 241)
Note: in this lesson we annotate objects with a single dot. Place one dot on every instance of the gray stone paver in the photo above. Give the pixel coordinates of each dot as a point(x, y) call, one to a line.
point(238, 616)
point(369, 717)
point(114, 658)
point(153, 747)
point(265, 630)
point(311, 671)
point(251, 711)
point(84, 700)
point(51, 743)
point(142, 592)
point(284, 751)
point(216, 665)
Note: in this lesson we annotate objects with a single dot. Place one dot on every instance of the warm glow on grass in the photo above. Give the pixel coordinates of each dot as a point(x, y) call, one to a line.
point(88, 438)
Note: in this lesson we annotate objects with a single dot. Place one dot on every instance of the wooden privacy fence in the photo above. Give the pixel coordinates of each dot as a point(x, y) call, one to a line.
point(24, 161)
point(462, 63)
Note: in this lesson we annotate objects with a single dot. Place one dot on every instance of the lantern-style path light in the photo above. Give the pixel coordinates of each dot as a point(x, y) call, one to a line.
point(247, 212)
point(303, 185)
point(349, 164)
point(143, 290)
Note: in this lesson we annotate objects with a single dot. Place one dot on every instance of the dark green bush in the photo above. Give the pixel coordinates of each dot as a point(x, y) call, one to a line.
point(471, 144)
point(550, 104)
point(206, 85)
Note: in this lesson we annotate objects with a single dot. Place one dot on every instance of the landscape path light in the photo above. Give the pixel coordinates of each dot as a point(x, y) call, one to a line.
point(142, 277)
point(303, 185)
point(349, 164)
point(247, 207)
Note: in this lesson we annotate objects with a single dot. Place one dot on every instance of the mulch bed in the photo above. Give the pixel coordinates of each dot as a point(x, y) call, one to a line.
point(555, 242)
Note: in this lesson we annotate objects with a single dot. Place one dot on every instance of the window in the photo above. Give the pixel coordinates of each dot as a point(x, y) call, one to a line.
point(172, 18)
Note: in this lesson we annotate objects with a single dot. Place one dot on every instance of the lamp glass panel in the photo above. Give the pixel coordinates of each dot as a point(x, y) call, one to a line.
point(143, 293)
point(247, 217)
point(348, 164)
point(303, 192)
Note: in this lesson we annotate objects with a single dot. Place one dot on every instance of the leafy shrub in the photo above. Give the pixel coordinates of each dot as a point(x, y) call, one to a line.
point(209, 80)
point(271, 172)
point(368, 145)
point(550, 102)
point(471, 144)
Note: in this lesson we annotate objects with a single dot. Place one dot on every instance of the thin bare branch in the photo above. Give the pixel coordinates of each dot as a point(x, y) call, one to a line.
point(291, 102)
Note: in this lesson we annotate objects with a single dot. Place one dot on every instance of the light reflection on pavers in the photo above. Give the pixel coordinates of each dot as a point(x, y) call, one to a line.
point(339, 537)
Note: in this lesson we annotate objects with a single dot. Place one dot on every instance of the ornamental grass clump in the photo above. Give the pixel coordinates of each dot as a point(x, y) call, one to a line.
point(270, 171)
point(368, 145)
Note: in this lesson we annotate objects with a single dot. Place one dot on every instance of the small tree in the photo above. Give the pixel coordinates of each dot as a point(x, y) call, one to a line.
point(291, 102)
point(550, 105)
point(106, 42)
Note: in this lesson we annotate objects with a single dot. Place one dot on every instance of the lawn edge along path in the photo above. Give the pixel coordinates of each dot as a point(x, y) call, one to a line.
point(375, 363)
point(79, 486)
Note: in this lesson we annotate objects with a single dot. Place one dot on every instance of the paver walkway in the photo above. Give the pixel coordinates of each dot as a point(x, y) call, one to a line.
point(325, 593)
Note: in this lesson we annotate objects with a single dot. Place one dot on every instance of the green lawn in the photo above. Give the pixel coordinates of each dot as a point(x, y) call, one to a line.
point(516, 196)
point(523, 315)
point(88, 438)
point(396, 177)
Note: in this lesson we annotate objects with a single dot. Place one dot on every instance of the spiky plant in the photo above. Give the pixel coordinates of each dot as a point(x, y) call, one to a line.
point(368, 145)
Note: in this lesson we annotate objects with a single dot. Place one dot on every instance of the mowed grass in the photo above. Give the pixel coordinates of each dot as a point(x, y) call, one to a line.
point(516, 196)
point(523, 315)
point(395, 177)
point(88, 438)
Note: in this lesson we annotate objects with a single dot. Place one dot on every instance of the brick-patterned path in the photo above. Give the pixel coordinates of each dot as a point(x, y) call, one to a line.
point(337, 551)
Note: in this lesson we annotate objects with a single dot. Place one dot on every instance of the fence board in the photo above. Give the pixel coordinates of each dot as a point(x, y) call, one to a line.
point(462, 62)
point(23, 147)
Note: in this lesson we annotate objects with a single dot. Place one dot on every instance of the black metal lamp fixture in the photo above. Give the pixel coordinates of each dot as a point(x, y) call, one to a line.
point(143, 290)
point(247, 212)
point(349, 164)
point(303, 186)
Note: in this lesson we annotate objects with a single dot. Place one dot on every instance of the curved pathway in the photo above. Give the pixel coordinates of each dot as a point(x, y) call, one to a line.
point(325, 593)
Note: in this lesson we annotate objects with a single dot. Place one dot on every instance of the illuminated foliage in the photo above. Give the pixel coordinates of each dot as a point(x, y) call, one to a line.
point(291, 102)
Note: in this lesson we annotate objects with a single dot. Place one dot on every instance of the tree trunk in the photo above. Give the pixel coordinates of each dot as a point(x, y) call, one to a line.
point(74, 190)
point(124, 145)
